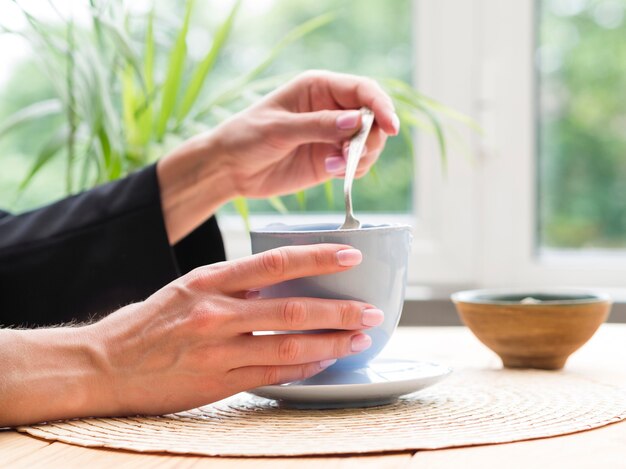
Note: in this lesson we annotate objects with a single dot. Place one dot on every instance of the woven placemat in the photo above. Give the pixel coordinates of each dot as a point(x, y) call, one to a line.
point(469, 408)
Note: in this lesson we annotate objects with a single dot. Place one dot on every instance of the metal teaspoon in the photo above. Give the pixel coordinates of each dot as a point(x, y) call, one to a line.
point(354, 155)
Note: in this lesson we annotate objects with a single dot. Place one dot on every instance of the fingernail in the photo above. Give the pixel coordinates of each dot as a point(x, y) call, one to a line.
point(395, 123)
point(372, 317)
point(327, 363)
point(360, 342)
point(335, 164)
point(349, 257)
point(348, 120)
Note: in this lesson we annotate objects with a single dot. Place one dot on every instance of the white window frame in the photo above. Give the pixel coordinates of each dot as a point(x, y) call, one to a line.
point(508, 173)
point(474, 226)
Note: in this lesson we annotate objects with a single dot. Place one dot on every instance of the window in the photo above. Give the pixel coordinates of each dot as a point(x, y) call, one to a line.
point(580, 58)
point(498, 62)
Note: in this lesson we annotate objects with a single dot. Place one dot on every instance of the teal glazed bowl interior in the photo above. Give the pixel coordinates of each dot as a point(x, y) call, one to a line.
point(380, 279)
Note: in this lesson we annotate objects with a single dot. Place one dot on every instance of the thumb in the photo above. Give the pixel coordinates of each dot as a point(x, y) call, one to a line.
point(322, 126)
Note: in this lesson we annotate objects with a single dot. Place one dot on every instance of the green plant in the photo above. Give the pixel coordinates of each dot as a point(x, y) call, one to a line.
point(119, 114)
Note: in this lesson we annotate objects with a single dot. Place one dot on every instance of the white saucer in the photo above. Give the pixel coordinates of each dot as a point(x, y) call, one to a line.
point(382, 382)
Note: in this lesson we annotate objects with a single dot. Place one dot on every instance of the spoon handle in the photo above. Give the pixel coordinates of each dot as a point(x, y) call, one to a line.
point(356, 148)
point(354, 155)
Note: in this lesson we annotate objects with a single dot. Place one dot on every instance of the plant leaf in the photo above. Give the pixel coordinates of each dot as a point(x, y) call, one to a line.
point(399, 87)
point(148, 64)
point(199, 76)
point(241, 205)
point(295, 34)
point(405, 133)
point(301, 198)
point(260, 86)
point(111, 158)
point(145, 111)
point(278, 205)
point(436, 125)
point(409, 118)
point(129, 104)
point(441, 139)
point(174, 73)
point(373, 172)
point(125, 48)
point(49, 150)
point(329, 193)
point(31, 113)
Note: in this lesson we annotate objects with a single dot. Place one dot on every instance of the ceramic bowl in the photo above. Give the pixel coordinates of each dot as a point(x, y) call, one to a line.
point(532, 329)
point(380, 279)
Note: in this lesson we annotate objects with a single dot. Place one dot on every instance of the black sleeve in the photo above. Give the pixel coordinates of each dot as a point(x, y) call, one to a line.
point(87, 255)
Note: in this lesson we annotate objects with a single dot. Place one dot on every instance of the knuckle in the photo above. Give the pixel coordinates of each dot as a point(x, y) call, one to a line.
point(372, 157)
point(199, 277)
point(380, 90)
point(310, 75)
point(373, 83)
point(362, 87)
point(306, 371)
point(274, 262)
point(365, 164)
point(361, 172)
point(347, 315)
point(326, 120)
point(202, 316)
point(340, 346)
point(288, 350)
point(320, 258)
point(295, 313)
point(271, 375)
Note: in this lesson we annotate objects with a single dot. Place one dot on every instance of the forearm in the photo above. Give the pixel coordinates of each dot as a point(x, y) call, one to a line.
point(49, 374)
point(194, 182)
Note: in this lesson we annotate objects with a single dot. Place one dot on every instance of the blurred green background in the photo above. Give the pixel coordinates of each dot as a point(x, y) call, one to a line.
point(367, 37)
point(581, 60)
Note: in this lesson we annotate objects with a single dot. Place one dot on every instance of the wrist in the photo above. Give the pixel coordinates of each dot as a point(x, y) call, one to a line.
point(216, 174)
point(194, 182)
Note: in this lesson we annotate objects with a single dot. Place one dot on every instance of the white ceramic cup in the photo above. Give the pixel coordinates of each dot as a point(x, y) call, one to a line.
point(379, 280)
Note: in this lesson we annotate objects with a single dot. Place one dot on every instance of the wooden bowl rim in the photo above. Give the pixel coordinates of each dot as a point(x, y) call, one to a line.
point(482, 297)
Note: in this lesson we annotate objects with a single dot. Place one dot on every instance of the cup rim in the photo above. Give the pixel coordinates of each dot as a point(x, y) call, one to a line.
point(280, 228)
point(482, 296)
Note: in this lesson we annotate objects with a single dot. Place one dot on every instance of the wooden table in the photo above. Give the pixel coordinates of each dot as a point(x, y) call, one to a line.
point(604, 355)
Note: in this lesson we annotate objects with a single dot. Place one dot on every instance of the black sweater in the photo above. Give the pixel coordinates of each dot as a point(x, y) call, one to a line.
point(89, 254)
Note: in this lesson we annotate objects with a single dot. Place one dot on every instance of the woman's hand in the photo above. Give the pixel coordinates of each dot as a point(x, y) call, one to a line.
point(292, 139)
point(187, 345)
point(191, 343)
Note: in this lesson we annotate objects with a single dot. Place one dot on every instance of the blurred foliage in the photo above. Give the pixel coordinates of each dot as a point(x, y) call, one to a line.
point(581, 60)
point(116, 93)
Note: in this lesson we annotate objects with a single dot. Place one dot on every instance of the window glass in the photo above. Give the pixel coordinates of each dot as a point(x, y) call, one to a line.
point(581, 67)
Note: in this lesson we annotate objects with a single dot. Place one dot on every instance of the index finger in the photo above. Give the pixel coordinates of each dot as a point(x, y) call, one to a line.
point(286, 263)
point(353, 92)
